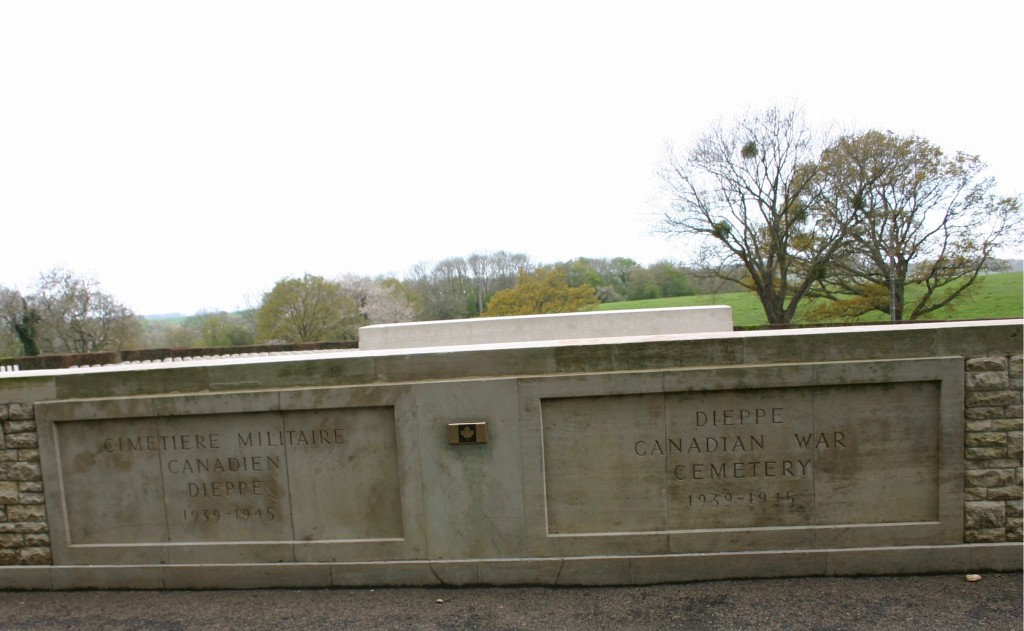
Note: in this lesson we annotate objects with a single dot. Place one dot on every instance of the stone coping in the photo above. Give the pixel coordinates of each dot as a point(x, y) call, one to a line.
point(808, 334)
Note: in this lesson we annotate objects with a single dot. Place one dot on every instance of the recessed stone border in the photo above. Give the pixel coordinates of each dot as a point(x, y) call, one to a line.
point(992, 439)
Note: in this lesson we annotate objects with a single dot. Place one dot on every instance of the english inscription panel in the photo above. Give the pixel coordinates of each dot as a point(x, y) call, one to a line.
point(307, 475)
point(742, 459)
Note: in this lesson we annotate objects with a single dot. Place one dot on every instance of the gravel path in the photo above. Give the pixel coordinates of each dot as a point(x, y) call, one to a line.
point(906, 602)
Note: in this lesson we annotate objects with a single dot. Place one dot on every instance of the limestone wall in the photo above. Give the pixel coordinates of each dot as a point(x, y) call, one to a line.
point(24, 534)
point(474, 514)
point(992, 448)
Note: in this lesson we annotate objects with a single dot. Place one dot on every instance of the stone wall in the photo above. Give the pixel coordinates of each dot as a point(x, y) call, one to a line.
point(24, 534)
point(993, 430)
point(992, 449)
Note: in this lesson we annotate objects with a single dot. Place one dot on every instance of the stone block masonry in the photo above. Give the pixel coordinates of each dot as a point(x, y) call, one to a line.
point(861, 450)
point(993, 430)
point(24, 533)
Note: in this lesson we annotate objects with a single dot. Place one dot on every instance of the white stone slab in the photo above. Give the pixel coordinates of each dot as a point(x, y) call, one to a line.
point(859, 453)
point(555, 326)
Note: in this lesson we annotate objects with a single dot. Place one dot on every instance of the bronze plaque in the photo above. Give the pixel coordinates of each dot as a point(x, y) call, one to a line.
point(467, 433)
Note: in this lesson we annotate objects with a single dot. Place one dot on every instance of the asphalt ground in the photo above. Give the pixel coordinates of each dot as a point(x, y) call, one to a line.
point(904, 602)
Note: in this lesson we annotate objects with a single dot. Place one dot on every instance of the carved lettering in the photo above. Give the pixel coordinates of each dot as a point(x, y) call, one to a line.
point(224, 465)
point(705, 444)
point(741, 416)
point(213, 484)
point(657, 447)
point(292, 438)
point(159, 442)
point(823, 440)
point(736, 470)
point(726, 443)
point(225, 489)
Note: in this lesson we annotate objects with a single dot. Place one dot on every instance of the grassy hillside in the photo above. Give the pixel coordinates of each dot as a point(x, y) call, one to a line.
point(994, 296)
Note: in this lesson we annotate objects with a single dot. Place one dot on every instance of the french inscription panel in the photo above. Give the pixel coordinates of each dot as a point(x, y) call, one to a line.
point(823, 455)
point(302, 475)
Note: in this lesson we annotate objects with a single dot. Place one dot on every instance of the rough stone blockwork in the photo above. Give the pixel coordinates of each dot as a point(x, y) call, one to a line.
point(992, 449)
point(24, 534)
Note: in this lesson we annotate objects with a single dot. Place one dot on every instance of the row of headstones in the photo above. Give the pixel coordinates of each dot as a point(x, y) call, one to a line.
point(168, 360)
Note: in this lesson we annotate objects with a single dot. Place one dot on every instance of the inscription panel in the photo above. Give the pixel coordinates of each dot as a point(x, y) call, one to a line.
point(743, 459)
point(220, 483)
point(733, 459)
point(306, 475)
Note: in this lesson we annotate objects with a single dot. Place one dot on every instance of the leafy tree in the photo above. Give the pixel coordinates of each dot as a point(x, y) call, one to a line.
point(168, 334)
point(745, 191)
point(546, 291)
point(9, 344)
point(69, 314)
point(220, 329)
point(19, 334)
point(671, 279)
point(307, 309)
point(25, 329)
point(623, 278)
point(924, 219)
point(663, 279)
point(609, 277)
point(204, 329)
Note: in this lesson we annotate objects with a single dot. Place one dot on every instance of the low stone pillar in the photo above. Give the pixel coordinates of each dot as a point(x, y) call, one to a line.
point(24, 534)
point(993, 430)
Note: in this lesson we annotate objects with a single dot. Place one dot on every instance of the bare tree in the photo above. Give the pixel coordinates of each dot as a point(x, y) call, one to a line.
point(493, 272)
point(744, 191)
point(480, 272)
point(75, 316)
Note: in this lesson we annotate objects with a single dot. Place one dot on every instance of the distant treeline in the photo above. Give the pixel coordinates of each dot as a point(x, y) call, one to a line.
point(67, 313)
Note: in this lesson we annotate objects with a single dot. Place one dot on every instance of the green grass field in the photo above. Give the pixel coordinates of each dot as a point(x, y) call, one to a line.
point(994, 296)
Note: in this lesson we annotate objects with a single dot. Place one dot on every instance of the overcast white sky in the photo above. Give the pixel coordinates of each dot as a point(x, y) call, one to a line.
point(189, 153)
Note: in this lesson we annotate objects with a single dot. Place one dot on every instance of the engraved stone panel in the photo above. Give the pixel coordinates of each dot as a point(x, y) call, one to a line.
point(731, 461)
point(305, 475)
point(230, 486)
point(806, 456)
